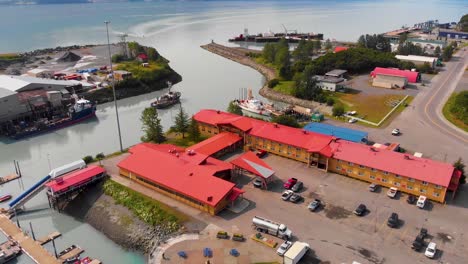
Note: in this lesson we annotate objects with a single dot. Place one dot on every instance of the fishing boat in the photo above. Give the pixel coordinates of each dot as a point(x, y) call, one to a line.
point(81, 110)
point(5, 198)
point(253, 105)
point(168, 99)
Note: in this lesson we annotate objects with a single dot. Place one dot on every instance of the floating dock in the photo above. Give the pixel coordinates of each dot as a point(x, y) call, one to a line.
point(46, 239)
point(76, 252)
point(8, 178)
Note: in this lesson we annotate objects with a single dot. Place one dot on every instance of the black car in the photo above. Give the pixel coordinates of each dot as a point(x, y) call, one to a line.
point(393, 220)
point(297, 187)
point(295, 198)
point(360, 210)
point(418, 242)
point(411, 199)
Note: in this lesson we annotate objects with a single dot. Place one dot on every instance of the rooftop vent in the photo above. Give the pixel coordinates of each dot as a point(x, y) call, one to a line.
point(210, 198)
point(304, 131)
point(275, 125)
point(177, 154)
point(191, 152)
point(406, 157)
point(218, 112)
point(191, 174)
point(373, 149)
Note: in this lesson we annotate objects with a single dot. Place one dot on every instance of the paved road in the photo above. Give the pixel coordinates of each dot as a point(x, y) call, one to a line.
point(424, 129)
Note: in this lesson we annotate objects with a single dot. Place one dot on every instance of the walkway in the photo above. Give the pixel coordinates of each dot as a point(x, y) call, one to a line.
point(32, 248)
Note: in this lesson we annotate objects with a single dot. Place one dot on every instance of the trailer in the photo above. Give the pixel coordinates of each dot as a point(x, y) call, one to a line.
point(295, 253)
point(270, 227)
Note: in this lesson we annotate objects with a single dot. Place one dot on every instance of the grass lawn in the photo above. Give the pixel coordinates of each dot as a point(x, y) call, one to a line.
point(176, 139)
point(9, 56)
point(138, 71)
point(370, 107)
point(450, 117)
point(285, 87)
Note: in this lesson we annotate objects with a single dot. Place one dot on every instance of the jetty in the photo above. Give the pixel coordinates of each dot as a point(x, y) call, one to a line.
point(75, 252)
point(46, 239)
point(240, 55)
point(8, 178)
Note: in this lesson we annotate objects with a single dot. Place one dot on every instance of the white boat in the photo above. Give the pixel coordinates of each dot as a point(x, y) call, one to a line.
point(254, 106)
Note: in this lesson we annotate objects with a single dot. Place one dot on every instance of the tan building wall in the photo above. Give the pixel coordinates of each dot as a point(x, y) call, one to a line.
point(404, 184)
point(175, 195)
point(389, 82)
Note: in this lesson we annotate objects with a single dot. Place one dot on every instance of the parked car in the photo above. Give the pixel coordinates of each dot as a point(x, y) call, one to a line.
point(417, 244)
point(431, 250)
point(314, 205)
point(352, 120)
point(373, 187)
point(257, 183)
point(283, 248)
point(421, 202)
point(297, 187)
point(360, 210)
point(411, 199)
point(295, 198)
point(392, 192)
point(289, 183)
point(286, 195)
point(396, 132)
point(393, 220)
point(261, 153)
point(351, 112)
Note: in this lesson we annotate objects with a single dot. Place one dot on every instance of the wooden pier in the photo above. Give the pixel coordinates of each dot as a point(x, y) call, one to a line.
point(71, 254)
point(46, 239)
point(8, 178)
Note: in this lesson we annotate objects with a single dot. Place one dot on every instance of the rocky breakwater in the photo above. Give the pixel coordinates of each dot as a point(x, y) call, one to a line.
point(239, 55)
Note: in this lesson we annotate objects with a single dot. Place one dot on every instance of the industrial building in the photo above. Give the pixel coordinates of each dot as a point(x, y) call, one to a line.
point(329, 83)
point(338, 132)
point(451, 34)
point(418, 60)
point(188, 176)
point(383, 166)
point(389, 81)
point(411, 76)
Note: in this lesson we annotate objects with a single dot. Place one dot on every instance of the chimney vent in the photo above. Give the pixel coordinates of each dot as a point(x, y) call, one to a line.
point(210, 198)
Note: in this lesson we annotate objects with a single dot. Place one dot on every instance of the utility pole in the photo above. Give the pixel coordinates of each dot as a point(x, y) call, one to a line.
point(113, 85)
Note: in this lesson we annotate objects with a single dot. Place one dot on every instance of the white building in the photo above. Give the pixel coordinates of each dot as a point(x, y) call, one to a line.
point(329, 83)
point(418, 59)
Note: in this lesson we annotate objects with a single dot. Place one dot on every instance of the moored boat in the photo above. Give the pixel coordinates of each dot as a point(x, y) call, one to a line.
point(5, 198)
point(253, 105)
point(168, 99)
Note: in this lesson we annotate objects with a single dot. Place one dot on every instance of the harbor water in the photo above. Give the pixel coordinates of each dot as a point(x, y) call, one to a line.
point(176, 29)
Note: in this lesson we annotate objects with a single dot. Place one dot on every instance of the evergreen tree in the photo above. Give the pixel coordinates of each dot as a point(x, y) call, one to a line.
point(151, 125)
point(437, 51)
point(459, 165)
point(193, 131)
point(269, 52)
point(181, 122)
point(234, 108)
point(328, 45)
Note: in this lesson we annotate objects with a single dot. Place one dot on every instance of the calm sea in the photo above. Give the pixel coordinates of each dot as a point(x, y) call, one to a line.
point(176, 29)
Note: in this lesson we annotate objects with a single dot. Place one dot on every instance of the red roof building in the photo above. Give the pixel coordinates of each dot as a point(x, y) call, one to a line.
point(185, 175)
point(424, 170)
point(74, 179)
point(412, 76)
point(339, 48)
point(142, 57)
point(217, 145)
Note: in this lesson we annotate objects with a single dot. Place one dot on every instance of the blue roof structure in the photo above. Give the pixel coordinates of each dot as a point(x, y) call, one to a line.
point(339, 132)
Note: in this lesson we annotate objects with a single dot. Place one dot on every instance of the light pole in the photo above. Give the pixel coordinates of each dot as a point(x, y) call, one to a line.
point(113, 86)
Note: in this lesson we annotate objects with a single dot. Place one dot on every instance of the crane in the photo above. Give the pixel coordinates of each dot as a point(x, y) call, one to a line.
point(286, 30)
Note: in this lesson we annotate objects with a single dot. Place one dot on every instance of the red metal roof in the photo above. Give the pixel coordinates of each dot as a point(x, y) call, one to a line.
point(191, 175)
point(75, 178)
point(340, 48)
point(310, 141)
point(143, 56)
point(250, 162)
point(394, 162)
point(235, 193)
point(216, 143)
point(412, 76)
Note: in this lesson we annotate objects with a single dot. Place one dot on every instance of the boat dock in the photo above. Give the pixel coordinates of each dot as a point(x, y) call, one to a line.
point(71, 254)
point(8, 178)
point(46, 239)
point(30, 247)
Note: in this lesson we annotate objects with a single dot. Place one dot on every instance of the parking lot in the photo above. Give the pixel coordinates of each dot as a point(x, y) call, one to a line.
point(336, 234)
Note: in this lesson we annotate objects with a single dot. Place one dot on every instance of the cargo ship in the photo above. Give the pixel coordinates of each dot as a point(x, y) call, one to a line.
point(81, 110)
point(293, 37)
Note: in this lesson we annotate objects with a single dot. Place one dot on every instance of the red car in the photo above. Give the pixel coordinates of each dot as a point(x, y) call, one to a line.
point(261, 153)
point(289, 183)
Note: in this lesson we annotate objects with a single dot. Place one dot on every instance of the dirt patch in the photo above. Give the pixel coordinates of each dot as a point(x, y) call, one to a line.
point(444, 237)
point(336, 212)
point(370, 256)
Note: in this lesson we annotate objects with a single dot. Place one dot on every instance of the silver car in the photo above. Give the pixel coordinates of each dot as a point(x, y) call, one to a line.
point(283, 248)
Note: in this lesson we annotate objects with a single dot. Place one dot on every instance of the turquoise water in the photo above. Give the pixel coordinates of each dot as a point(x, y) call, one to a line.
point(176, 29)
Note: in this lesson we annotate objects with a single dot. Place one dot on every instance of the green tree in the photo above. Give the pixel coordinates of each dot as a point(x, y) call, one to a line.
point(193, 131)
point(88, 159)
point(437, 51)
point(286, 120)
point(116, 58)
point(317, 45)
point(338, 110)
point(459, 165)
point(459, 108)
point(152, 54)
point(99, 157)
point(463, 24)
point(181, 122)
point(269, 52)
point(234, 108)
point(306, 85)
point(151, 125)
point(402, 39)
point(328, 44)
point(426, 68)
point(447, 53)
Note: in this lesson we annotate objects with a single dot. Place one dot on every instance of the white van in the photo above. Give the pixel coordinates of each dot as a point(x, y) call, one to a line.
point(421, 202)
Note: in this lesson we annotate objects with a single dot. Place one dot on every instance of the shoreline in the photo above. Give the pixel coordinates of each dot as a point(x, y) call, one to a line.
point(239, 55)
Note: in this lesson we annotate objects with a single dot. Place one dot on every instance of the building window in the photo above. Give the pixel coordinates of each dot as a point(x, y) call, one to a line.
point(350, 164)
point(385, 172)
point(361, 166)
point(349, 170)
point(438, 186)
point(410, 179)
point(338, 168)
point(361, 173)
point(374, 170)
point(424, 183)
point(339, 161)
point(372, 177)
point(436, 194)
point(384, 180)
point(422, 190)
point(397, 176)
point(409, 187)
point(298, 149)
point(396, 183)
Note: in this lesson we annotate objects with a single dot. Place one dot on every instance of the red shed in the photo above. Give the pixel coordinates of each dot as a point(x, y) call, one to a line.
point(339, 48)
point(412, 76)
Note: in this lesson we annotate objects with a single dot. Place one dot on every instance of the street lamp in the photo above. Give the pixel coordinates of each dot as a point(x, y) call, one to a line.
point(113, 85)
